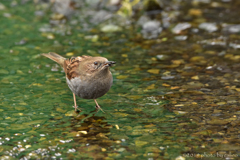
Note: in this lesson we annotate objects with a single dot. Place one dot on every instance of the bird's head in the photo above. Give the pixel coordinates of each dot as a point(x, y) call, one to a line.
point(97, 64)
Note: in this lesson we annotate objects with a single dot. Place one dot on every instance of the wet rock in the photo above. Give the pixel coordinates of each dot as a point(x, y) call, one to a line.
point(181, 38)
point(65, 8)
point(231, 28)
point(22, 42)
point(114, 2)
point(222, 53)
point(113, 5)
point(202, 1)
point(93, 3)
point(2, 7)
point(45, 28)
point(167, 77)
point(151, 29)
point(142, 20)
point(153, 71)
point(234, 45)
point(210, 27)
point(111, 28)
point(100, 16)
point(93, 38)
point(180, 27)
point(205, 90)
point(14, 3)
point(218, 121)
point(166, 18)
point(223, 68)
point(180, 158)
point(39, 13)
point(195, 30)
point(195, 12)
point(7, 15)
point(163, 57)
point(221, 41)
point(41, 1)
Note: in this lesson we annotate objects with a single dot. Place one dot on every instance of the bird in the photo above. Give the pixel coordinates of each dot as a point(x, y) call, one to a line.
point(87, 77)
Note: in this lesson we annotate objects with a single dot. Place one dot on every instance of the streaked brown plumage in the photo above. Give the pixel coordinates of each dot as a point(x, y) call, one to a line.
point(87, 77)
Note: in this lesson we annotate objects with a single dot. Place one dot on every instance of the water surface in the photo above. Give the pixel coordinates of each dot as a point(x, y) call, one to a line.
point(173, 97)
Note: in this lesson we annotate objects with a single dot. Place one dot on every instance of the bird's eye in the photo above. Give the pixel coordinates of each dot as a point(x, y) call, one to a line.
point(95, 63)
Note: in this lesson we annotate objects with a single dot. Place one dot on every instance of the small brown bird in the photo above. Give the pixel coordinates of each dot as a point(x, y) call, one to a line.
point(87, 77)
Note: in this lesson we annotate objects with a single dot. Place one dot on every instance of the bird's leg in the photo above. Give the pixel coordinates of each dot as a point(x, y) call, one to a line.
point(97, 106)
point(75, 103)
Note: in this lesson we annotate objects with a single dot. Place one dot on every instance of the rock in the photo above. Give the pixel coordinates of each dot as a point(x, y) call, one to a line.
point(180, 27)
point(181, 38)
point(210, 27)
point(63, 7)
point(111, 28)
point(151, 29)
point(231, 28)
point(100, 16)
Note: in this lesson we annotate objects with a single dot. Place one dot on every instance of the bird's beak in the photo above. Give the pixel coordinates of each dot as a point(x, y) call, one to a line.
point(109, 63)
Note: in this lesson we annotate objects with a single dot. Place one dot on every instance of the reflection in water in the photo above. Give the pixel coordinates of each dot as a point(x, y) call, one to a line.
point(86, 136)
point(92, 132)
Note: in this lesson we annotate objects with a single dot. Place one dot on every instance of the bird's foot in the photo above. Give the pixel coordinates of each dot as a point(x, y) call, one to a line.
point(76, 108)
point(98, 107)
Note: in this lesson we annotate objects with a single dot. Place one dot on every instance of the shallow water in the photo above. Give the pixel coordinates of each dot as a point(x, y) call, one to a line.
point(174, 96)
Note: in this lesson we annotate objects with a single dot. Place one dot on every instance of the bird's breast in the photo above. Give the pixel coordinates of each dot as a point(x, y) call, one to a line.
point(90, 89)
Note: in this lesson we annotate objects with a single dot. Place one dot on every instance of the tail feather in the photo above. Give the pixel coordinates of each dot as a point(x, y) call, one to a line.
point(55, 57)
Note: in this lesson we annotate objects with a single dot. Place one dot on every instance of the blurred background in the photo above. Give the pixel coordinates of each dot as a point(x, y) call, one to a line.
point(176, 84)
